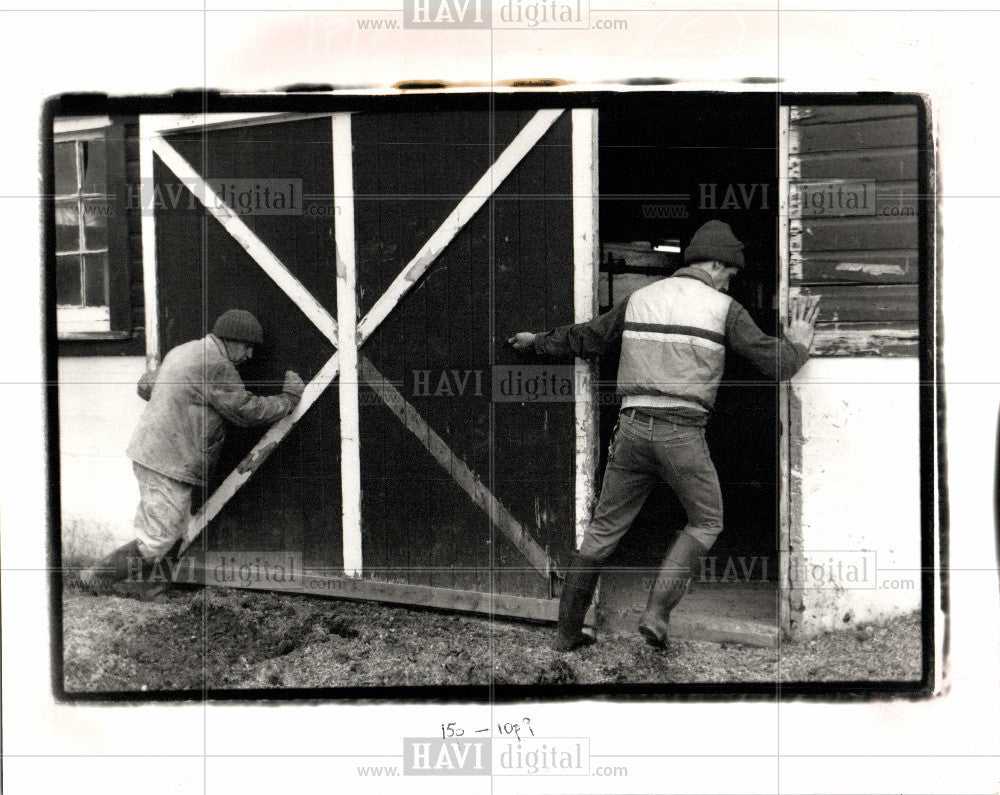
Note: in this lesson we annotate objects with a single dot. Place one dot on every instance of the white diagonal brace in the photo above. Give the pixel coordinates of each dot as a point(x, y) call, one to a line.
point(466, 479)
point(260, 452)
point(243, 235)
point(458, 218)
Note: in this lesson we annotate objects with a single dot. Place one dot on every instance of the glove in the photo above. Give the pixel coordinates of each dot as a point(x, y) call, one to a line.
point(293, 384)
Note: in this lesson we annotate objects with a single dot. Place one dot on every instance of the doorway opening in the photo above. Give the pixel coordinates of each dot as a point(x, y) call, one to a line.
point(668, 162)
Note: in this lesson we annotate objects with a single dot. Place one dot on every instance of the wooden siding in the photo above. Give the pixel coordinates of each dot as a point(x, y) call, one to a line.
point(862, 261)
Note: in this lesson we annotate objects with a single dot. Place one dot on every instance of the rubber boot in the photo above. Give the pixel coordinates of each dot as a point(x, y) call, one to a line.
point(124, 563)
point(577, 593)
point(671, 584)
point(157, 577)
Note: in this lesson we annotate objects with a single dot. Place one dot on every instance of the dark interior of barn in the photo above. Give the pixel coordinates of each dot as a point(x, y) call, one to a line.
point(668, 163)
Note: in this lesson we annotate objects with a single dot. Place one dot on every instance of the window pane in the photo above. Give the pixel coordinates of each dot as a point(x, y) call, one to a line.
point(93, 166)
point(65, 168)
point(67, 227)
point(95, 279)
point(95, 223)
point(68, 279)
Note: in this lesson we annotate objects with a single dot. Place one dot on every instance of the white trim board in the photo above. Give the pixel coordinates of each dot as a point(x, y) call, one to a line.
point(586, 256)
point(347, 312)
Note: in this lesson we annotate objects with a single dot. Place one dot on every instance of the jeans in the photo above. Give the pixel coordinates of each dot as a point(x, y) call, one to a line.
point(644, 450)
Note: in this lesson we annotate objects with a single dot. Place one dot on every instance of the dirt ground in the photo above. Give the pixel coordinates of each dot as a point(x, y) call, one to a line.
point(227, 639)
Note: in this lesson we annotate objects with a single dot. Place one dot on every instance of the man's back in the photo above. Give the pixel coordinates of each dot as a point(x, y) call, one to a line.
point(673, 345)
point(179, 434)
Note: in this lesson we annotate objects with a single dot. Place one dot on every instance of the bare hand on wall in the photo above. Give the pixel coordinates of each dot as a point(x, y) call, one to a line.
point(802, 313)
point(522, 340)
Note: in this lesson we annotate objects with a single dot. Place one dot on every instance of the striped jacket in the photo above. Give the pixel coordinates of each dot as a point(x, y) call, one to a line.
point(674, 334)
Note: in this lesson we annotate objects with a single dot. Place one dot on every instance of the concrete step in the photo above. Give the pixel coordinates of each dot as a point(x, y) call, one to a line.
point(723, 612)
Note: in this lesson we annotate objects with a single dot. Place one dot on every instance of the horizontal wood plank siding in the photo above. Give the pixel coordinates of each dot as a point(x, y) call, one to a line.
point(865, 302)
point(861, 258)
point(854, 136)
point(805, 116)
point(871, 266)
point(878, 164)
point(857, 234)
point(867, 339)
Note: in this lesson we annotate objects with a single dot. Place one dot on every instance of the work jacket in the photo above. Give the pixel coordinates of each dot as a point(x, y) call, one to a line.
point(191, 395)
point(674, 334)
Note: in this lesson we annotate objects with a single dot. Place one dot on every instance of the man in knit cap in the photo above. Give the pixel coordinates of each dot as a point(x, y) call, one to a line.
point(674, 334)
point(176, 445)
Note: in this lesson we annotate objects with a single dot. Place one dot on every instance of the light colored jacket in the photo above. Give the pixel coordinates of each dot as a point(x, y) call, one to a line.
point(673, 345)
point(191, 395)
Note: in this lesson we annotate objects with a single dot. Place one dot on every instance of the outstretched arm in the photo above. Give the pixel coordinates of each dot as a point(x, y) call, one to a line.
point(775, 357)
point(228, 396)
point(585, 340)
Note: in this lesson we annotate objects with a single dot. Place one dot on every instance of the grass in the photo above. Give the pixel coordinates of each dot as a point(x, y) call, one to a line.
point(227, 638)
point(85, 541)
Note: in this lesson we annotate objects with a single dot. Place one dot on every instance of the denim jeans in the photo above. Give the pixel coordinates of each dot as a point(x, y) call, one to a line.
point(645, 450)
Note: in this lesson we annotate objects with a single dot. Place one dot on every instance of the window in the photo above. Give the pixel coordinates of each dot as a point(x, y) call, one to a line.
point(91, 235)
point(82, 235)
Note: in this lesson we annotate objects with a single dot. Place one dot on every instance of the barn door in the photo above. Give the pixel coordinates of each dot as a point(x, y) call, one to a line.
point(466, 231)
point(393, 294)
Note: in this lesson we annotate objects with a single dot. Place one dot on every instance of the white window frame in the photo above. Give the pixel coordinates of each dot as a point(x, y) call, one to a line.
point(73, 320)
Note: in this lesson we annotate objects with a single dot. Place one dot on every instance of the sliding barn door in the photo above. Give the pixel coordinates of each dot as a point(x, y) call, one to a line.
point(419, 244)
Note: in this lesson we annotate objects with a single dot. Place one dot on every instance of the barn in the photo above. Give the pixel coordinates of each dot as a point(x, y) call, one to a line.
point(392, 241)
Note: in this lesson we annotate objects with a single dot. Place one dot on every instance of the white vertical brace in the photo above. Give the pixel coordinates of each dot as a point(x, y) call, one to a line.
point(146, 209)
point(784, 431)
point(585, 274)
point(347, 319)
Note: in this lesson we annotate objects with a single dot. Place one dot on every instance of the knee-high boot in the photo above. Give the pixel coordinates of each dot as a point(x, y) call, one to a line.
point(157, 576)
point(671, 583)
point(577, 593)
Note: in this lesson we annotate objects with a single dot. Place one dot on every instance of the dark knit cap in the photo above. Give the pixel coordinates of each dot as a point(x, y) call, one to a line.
point(240, 326)
point(714, 240)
